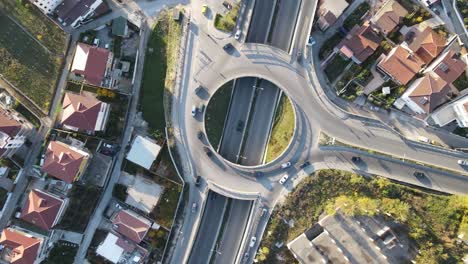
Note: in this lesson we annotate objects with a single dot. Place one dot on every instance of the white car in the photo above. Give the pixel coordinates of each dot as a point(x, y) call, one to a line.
point(286, 165)
point(424, 139)
point(283, 179)
point(194, 111)
point(252, 241)
point(463, 162)
point(194, 207)
point(238, 34)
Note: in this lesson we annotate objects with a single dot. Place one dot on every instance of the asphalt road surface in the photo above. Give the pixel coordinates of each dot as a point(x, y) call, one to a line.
point(237, 118)
point(260, 21)
point(207, 235)
point(285, 24)
point(261, 120)
point(234, 230)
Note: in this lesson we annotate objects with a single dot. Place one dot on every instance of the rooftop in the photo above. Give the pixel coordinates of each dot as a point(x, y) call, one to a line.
point(450, 66)
point(8, 124)
point(389, 16)
point(361, 42)
point(144, 152)
point(429, 92)
point(401, 65)
point(426, 44)
point(90, 61)
point(18, 247)
point(81, 111)
point(131, 225)
point(143, 194)
point(41, 209)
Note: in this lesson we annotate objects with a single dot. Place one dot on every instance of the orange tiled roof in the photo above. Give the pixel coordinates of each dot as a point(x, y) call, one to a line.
point(21, 249)
point(401, 65)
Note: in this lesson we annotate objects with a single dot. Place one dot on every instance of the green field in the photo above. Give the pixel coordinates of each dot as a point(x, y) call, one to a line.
point(159, 74)
point(283, 129)
point(26, 63)
point(216, 112)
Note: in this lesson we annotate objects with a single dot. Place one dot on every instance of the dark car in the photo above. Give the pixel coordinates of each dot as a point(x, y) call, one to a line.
point(258, 174)
point(240, 125)
point(198, 90)
point(200, 135)
point(227, 5)
point(198, 180)
point(304, 165)
point(356, 159)
point(208, 151)
point(228, 47)
point(419, 174)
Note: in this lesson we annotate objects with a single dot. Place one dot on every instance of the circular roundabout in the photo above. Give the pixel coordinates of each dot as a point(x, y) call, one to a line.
point(249, 121)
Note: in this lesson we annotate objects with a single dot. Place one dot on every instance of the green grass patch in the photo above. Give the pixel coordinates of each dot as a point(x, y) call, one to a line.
point(227, 22)
point(38, 24)
point(386, 101)
point(83, 199)
point(462, 6)
point(28, 115)
point(164, 212)
point(335, 67)
point(461, 83)
point(62, 252)
point(27, 64)
point(432, 220)
point(216, 113)
point(329, 45)
point(355, 18)
point(159, 70)
point(283, 129)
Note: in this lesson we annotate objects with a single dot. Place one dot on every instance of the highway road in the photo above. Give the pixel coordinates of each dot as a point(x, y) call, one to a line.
point(234, 230)
point(261, 21)
point(236, 122)
point(285, 24)
point(209, 227)
point(261, 121)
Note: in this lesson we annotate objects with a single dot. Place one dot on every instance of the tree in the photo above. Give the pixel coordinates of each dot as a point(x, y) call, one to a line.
point(382, 182)
point(398, 209)
point(367, 206)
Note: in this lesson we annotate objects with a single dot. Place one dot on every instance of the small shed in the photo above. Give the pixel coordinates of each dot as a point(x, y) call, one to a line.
point(144, 152)
point(120, 27)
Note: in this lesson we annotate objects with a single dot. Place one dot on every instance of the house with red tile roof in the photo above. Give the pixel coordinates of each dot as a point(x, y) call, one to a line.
point(359, 44)
point(387, 18)
point(329, 11)
point(19, 247)
point(426, 94)
point(13, 132)
point(131, 225)
point(449, 65)
point(83, 112)
point(400, 65)
point(43, 209)
point(426, 44)
point(92, 64)
point(117, 249)
point(64, 162)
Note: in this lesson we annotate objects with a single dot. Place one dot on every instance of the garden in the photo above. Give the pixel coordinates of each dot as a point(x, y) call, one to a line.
point(327, 47)
point(355, 18)
point(216, 113)
point(227, 22)
point(434, 220)
point(83, 199)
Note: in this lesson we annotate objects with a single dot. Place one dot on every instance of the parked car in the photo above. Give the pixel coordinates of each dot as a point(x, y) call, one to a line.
point(198, 180)
point(201, 107)
point(238, 34)
point(264, 211)
point(258, 174)
point(198, 90)
point(305, 165)
point(227, 5)
point(283, 179)
point(208, 151)
point(194, 111)
point(240, 125)
point(424, 139)
point(194, 207)
point(463, 162)
point(200, 135)
point(252, 241)
point(286, 165)
point(204, 9)
point(419, 174)
point(356, 159)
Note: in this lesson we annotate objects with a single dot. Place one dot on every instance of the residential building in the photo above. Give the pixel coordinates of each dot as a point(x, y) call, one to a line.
point(64, 162)
point(401, 65)
point(131, 225)
point(430, 3)
point(47, 6)
point(341, 239)
point(120, 27)
point(116, 249)
point(360, 43)
point(73, 12)
point(144, 152)
point(20, 246)
point(43, 209)
point(83, 112)
point(425, 94)
point(449, 65)
point(455, 111)
point(92, 64)
point(329, 11)
point(13, 132)
point(427, 44)
point(388, 17)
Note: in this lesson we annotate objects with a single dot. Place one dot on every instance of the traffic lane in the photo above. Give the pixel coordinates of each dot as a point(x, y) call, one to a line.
point(285, 23)
point(234, 231)
point(304, 23)
point(395, 169)
point(260, 21)
point(238, 113)
point(208, 230)
point(260, 124)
